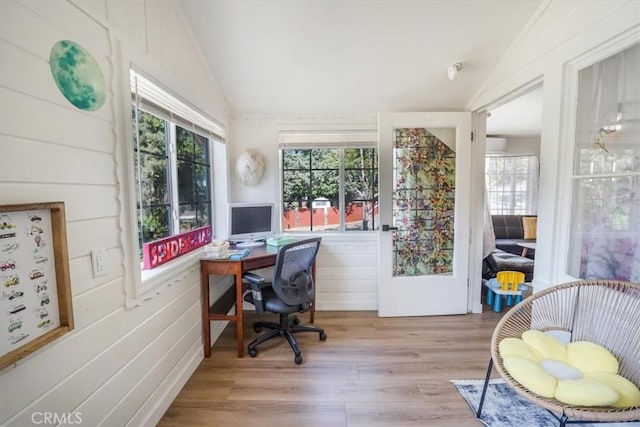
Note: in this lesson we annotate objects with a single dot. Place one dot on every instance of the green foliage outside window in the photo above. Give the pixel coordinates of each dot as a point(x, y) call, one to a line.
point(311, 177)
point(193, 179)
point(152, 182)
point(310, 174)
point(361, 175)
point(154, 166)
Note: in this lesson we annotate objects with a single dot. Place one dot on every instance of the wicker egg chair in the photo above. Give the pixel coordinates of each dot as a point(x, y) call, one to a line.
point(604, 312)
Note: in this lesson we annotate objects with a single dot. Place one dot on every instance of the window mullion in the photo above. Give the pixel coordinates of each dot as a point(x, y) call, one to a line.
point(211, 189)
point(138, 173)
point(513, 188)
point(310, 195)
point(173, 173)
point(341, 190)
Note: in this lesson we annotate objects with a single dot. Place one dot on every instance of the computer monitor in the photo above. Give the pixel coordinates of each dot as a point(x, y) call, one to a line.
point(250, 223)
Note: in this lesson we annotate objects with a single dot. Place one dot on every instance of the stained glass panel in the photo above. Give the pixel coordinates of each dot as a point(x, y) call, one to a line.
point(423, 203)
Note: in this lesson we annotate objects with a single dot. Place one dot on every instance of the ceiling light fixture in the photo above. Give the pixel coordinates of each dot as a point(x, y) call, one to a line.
point(452, 71)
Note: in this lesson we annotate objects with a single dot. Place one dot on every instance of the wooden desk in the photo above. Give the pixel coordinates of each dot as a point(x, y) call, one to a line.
point(260, 257)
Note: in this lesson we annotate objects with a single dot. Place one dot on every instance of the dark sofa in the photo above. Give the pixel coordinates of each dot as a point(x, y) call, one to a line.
point(500, 260)
point(509, 231)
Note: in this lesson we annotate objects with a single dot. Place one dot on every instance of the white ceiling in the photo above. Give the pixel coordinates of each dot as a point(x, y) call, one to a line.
point(520, 117)
point(352, 57)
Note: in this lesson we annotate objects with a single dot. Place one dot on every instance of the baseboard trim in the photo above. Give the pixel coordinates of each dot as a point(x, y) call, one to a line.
point(476, 308)
point(162, 401)
point(346, 306)
point(175, 381)
point(364, 301)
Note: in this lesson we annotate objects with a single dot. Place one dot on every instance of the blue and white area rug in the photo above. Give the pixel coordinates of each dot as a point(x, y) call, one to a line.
point(503, 407)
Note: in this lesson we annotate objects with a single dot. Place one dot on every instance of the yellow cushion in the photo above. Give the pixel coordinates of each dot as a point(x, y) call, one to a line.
point(628, 391)
point(586, 392)
point(531, 375)
point(517, 347)
point(529, 225)
point(581, 373)
point(590, 357)
point(548, 346)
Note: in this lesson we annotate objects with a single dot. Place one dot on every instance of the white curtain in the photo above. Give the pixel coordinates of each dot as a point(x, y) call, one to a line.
point(532, 186)
point(488, 235)
point(511, 182)
point(605, 229)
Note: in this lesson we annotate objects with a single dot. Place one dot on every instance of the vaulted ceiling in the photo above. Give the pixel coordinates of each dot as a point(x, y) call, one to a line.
point(352, 57)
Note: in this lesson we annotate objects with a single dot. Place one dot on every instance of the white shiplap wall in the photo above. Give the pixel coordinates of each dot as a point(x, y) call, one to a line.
point(347, 272)
point(117, 366)
point(347, 264)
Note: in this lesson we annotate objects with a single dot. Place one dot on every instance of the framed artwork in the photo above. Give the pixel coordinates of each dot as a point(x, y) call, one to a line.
point(35, 291)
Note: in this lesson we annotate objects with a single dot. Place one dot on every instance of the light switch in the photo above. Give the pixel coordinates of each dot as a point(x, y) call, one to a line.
point(99, 262)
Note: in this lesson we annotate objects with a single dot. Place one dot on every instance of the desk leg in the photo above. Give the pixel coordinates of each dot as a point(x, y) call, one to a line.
point(206, 323)
point(239, 317)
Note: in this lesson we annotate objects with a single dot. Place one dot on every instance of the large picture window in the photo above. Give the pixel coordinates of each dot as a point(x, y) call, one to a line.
point(512, 184)
point(329, 188)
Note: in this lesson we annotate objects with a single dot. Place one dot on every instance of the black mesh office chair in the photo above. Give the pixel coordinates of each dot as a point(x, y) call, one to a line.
point(291, 291)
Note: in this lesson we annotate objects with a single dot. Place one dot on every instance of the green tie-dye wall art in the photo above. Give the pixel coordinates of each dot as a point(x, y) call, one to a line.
point(77, 75)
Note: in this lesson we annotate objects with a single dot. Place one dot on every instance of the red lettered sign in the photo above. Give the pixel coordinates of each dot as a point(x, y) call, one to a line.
point(161, 251)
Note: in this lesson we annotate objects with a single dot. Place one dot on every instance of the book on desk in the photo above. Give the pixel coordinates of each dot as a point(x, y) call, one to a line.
point(232, 254)
point(237, 254)
point(279, 240)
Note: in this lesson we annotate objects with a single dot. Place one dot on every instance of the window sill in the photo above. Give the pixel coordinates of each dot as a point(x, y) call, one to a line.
point(336, 236)
point(155, 281)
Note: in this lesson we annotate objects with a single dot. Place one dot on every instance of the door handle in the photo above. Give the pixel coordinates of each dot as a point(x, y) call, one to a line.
point(385, 227)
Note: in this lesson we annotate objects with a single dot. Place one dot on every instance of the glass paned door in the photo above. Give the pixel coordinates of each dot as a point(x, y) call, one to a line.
point(425, 182)
point(423, 203)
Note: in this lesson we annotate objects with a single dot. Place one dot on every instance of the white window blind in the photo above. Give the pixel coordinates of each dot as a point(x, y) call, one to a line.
point(314, 139)
point(160, 101)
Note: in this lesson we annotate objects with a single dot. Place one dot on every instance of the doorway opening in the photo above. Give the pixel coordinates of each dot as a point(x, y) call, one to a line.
point(511, 172)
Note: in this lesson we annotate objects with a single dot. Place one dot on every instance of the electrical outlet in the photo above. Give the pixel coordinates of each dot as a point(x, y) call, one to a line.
point(99, 262)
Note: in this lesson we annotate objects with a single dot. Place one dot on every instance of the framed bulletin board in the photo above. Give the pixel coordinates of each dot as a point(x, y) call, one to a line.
point(35, 291)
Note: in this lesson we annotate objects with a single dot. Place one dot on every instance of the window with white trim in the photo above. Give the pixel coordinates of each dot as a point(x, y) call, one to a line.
point(604, 232)
point(172, 160)
point(512, 184)
point(329, 181)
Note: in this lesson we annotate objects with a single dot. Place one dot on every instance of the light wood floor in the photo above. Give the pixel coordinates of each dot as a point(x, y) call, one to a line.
point(369, 372)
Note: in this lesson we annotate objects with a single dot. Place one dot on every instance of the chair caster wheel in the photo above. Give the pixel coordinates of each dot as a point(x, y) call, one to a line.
point(298, 359)
point(253, 352)
point(256, 329)
point(323, 336)
point(296, 321)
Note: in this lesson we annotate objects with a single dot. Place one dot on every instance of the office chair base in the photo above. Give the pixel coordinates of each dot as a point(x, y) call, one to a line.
point(286, 328)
